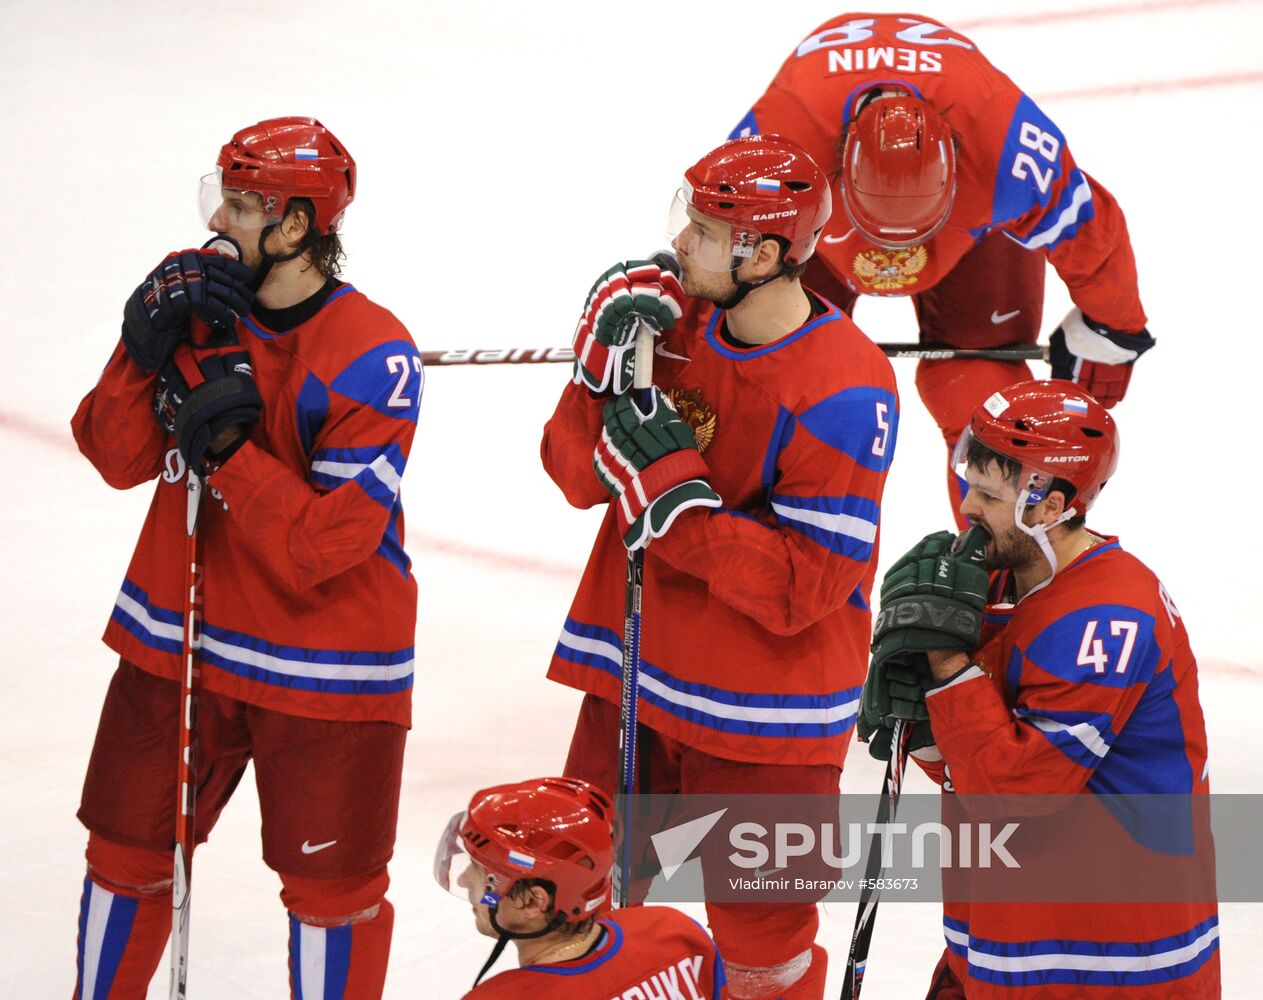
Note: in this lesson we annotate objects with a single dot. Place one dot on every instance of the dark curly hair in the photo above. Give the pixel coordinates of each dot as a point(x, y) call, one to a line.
point(324, 249)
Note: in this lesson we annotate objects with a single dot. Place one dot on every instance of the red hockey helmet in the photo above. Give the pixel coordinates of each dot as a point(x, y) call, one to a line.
point(898, 170)
point(559, 829)
point(284, 158)
point(1053, 430)
point(759, 185)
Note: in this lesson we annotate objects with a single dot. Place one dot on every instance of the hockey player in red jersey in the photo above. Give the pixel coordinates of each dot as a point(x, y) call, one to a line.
point(756, 484)
point(1076, 679)
point(299, 403)
point(535, 860)
point(956, 187)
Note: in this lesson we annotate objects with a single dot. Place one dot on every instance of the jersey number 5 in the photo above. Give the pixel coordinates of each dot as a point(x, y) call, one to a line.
point(883, 427)
point(1092, 650)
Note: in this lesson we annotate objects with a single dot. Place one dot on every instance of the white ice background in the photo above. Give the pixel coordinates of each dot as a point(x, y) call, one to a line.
point(508, 153)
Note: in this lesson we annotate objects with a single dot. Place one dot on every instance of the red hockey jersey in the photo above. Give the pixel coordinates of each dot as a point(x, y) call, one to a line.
point(646, 951)
point(756, 615)
point(1015, 173)
point(1087, 686)
point(309, 605)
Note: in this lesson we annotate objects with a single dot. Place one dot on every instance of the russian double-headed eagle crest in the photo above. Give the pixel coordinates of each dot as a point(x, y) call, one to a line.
point(890, 270)
point(696, 412)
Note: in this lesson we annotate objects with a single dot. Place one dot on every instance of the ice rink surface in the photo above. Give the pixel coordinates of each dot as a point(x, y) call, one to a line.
point(508, 153)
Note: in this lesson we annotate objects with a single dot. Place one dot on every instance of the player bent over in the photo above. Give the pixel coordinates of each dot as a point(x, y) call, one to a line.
point(535, 860)
point(756, 483)
point(1077, 680)
point(297, 397)
point(956, 189)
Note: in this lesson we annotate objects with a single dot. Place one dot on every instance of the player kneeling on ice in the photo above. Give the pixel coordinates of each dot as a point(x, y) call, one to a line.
point(1066, 672)
point(535, 861)
point(294, 398)
point(752, 480)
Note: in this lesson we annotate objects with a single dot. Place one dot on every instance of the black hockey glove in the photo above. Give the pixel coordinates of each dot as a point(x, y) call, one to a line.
point(1096, 357)
point(203, 394)
point(203, 283)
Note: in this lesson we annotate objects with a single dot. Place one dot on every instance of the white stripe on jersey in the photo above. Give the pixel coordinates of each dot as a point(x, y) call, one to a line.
point(838, 524)
point(1068, 217)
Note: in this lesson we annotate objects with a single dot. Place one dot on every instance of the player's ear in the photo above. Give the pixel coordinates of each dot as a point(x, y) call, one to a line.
point(539, 901)
point(294, 226)
point(767, 258)
point(1053, 507)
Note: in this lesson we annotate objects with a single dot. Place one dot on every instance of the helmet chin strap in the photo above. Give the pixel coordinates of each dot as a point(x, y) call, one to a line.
point(744, 288)
point(1039, 532)
point(268, 261)
point(506, 936)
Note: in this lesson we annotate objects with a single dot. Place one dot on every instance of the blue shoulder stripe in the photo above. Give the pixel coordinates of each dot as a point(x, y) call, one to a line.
point(1110, 645)
point(1030, 163)
point(387, 377)
point(749, 125)
point(862, 422)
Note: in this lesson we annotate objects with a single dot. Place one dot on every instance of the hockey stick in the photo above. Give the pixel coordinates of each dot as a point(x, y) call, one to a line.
point(629, 697)
point(186, 786)
point(870, 894)
point(547, 355)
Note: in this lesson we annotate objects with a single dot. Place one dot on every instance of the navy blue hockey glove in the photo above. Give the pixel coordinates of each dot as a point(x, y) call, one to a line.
point(1096, 357)
point(207, 399)
point(203, 283)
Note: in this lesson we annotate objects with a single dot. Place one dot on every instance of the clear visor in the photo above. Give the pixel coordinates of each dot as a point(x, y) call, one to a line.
point(708, 243)
point(456, 872)
point(1032, 485)
point(228, 210)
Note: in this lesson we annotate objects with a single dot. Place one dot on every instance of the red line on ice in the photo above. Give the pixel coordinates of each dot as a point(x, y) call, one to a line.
point(1149, 86)
point(44, 433)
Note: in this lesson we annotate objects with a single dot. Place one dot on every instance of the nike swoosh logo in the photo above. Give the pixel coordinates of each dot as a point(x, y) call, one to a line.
point(310, 848)
point(662, 352)
point(839, 239)
point(998, 318)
